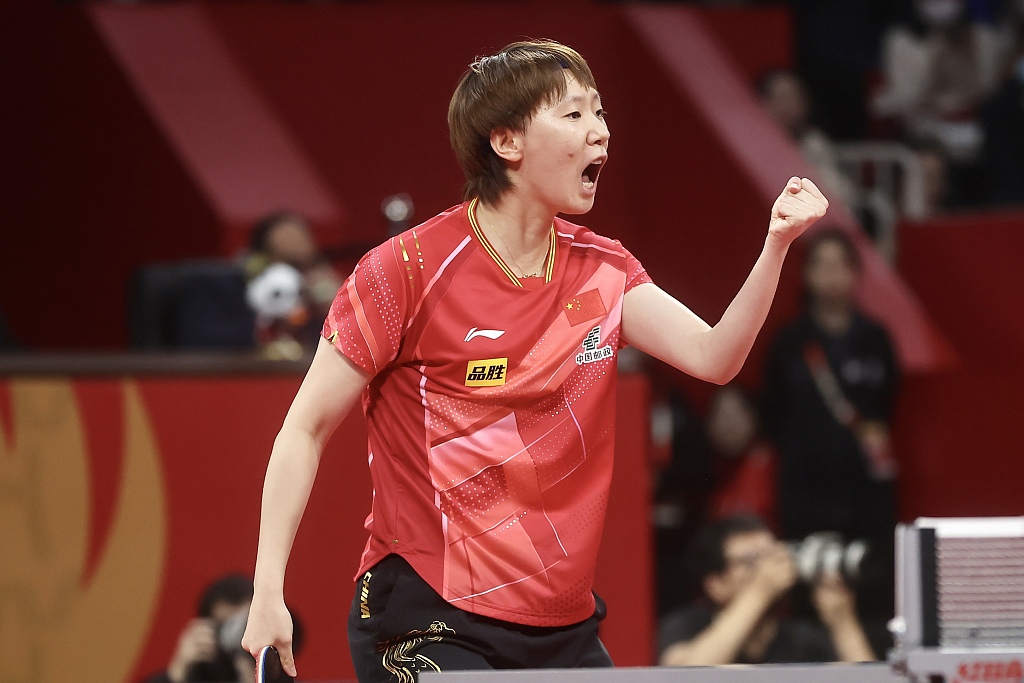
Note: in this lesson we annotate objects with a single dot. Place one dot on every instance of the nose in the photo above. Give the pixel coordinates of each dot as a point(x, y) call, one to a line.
point(599, 133)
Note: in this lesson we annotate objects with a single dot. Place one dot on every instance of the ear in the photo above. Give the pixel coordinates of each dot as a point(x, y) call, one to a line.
point(506, 144)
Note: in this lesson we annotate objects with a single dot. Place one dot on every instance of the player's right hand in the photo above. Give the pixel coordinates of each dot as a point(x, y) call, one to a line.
point(270, 623)
point(799, 206)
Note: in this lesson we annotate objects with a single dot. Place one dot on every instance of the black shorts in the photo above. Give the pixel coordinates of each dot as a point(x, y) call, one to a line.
point(399, 626)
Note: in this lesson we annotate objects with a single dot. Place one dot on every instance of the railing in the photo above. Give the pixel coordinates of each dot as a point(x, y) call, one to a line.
point(888, 184)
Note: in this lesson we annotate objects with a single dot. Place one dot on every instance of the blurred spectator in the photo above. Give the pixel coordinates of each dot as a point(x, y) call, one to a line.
point(291, 283)
point(829, 387)
point(744, 573)
point(199, 654)
point(837, 51)
point(744, 464)
point(939, 63)
point(785, 98)
point(209, 649)
point(1002, 120)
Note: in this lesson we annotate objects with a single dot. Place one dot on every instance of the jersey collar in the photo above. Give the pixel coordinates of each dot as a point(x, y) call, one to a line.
point(549, 262)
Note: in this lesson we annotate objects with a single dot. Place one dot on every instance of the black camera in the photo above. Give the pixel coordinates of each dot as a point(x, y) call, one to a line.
point(229, 646)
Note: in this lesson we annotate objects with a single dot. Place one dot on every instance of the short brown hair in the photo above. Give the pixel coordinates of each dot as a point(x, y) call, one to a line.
point(503, 91)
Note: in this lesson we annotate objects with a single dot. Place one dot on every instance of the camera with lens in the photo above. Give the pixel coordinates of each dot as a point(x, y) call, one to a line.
point(230, 632)
point(828, 553)
point(222, 665)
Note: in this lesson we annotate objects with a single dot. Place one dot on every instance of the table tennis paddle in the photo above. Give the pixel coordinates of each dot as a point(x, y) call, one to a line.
point(268, 667)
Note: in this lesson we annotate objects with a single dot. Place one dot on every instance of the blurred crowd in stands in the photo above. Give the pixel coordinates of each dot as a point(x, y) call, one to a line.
point(272, 297)
point(808, 461)
point(943, 79)
point(906, 108)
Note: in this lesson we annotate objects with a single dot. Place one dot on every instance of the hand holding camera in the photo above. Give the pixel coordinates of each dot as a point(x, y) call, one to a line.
point(774, 573)
point(197, 643)
point(834, 600)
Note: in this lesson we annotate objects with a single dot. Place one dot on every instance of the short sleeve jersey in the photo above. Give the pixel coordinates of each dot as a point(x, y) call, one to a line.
point(490, 412)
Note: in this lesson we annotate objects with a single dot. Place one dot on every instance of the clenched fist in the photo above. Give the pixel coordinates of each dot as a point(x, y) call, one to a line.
point(799, 206)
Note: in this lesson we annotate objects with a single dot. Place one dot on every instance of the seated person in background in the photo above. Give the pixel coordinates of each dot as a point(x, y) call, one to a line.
point(744, 464)
point(291, 283)
point(938, 64)
point(744, 572)
point(209, 648)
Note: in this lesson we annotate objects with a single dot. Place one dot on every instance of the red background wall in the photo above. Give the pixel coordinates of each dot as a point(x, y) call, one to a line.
point(959, 431)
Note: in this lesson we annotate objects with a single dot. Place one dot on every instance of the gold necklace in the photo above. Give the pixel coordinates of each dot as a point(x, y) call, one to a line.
point(514, 261)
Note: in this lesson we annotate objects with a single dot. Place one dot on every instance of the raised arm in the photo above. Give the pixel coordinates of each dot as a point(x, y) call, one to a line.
point(734, 627)
point(658, 324)
point(330, 389)
point(837, 607)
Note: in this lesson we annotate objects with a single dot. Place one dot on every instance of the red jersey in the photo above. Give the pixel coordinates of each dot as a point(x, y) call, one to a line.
point(490, 412)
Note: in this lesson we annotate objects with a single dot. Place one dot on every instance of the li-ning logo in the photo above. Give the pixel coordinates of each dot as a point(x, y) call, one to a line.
point(490, 334)
point(981, 671)
point(592, 354)
point(489, 372)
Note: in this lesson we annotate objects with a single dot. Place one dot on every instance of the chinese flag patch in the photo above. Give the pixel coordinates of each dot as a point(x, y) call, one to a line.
point(584, 307)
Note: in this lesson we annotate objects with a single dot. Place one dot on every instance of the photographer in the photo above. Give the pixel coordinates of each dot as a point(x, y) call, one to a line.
point(744, 571)
point(209, 648)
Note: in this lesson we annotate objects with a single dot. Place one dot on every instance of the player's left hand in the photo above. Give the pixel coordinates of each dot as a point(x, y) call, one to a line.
point(799, 206)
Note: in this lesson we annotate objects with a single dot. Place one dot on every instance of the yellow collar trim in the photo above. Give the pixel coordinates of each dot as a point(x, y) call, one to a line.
point(549, 264)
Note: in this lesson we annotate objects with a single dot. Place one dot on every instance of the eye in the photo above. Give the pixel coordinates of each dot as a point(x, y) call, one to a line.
point(602, 113)
point(574, 115)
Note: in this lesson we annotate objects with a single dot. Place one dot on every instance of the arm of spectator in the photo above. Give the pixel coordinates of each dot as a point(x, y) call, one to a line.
point(197, 643)
point(990, 57)
point(836, 605)
point(330, 389)
point(723, 641)
point(906, 64)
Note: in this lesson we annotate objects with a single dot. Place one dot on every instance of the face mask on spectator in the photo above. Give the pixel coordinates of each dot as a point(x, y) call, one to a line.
point(940, 12)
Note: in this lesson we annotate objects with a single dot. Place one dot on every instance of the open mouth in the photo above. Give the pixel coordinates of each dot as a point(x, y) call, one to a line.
point(590, 173)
